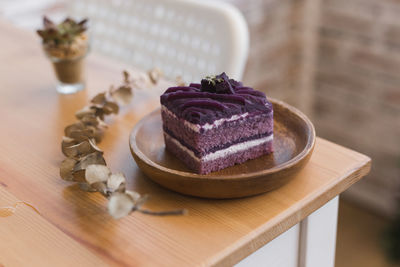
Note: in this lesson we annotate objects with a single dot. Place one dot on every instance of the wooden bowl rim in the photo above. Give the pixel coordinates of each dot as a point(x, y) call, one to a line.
point(286, 165)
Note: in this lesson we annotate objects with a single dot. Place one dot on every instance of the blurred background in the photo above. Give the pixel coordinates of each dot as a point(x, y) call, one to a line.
point(336, 60)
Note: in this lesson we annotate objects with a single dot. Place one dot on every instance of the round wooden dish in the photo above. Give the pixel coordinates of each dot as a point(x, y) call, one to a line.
point(294, 139)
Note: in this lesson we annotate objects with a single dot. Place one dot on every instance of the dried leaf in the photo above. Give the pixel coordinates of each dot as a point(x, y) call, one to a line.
point(86, 187)
point(120, 205)
point(81, 135)
point(93, 121)
point(99, 187)
point(78, 150)
point(67, 142)
point(66, 169)
point(90, 119)
point(86, 133)
point(47, 23)
point(94, 146)
point(78, 126)
point(110, 107)
point(79, 169)
point(97, 173)
point(155, 75)
point(41, 33)
point(79, 176)
point(98, 110)
point(126, 76)
point(84, 112)
point(83, 21)
point(68, 20)
point(99, 99)
point(122, 95)
point(116, 182)
point(96, 133)
point(102, 125)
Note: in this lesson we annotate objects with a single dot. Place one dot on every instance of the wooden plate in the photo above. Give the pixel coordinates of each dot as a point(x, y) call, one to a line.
point(294, 139)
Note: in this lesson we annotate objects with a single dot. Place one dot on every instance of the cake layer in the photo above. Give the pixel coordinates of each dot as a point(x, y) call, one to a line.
point(228, 132)
point(198, 106)
point(235, 154)
point(223, 152)
point(201, 152)
point(205, 127)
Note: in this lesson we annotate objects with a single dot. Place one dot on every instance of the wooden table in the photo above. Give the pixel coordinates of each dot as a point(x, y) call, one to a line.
point(73, 226)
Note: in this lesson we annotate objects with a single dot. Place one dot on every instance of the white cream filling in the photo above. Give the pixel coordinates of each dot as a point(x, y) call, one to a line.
point(223, 152)
point(207, 126)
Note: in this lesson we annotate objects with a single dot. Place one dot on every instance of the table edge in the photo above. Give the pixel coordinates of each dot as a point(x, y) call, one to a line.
point(284, 221)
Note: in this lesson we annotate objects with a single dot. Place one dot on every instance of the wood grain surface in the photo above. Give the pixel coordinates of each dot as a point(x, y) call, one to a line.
point(215, 232)
point(293, 143)
point(27, 239)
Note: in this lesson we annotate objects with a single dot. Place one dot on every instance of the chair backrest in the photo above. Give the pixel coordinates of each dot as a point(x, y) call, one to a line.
point(184, 38)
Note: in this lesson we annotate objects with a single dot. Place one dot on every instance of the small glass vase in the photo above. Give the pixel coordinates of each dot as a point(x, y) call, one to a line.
point(70, 73)
point(69, 70)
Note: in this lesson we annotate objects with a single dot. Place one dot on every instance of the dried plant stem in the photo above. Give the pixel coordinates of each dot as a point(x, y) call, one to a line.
point(163, 213)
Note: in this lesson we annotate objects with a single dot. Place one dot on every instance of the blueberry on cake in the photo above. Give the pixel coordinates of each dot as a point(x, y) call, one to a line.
point(216, 124)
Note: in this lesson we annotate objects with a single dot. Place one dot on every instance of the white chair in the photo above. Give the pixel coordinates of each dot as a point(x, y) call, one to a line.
point(184, 38)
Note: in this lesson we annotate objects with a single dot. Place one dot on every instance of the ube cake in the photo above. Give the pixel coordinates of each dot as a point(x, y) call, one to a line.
point(216, 124)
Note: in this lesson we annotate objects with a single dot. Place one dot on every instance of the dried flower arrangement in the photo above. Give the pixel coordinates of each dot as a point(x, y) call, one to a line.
point(65, 40)
point(85, 163)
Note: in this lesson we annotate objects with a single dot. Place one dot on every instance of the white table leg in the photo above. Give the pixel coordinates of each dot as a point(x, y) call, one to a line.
point(311, 243)
point(318, 236)
point(280, 252)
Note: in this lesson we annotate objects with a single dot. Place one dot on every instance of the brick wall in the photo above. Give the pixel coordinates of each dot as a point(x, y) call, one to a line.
point(283, 42)
point(357, 90)
point(275, 46)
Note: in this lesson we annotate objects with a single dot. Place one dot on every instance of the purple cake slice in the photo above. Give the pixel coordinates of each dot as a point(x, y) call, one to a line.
point(216, 124)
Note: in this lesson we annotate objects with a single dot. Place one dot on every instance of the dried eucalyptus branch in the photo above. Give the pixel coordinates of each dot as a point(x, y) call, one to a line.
point(84, 161)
